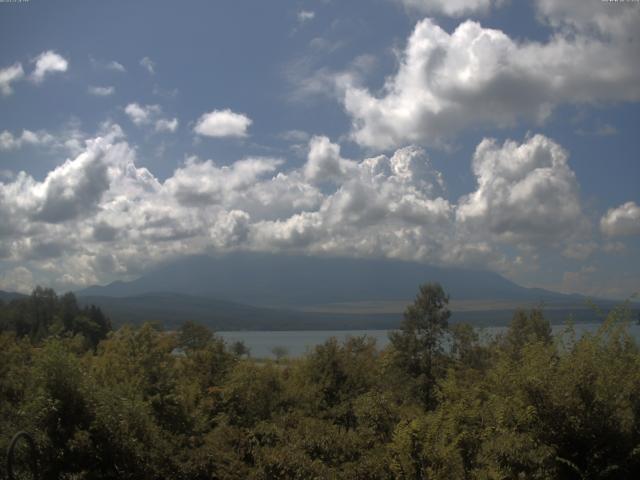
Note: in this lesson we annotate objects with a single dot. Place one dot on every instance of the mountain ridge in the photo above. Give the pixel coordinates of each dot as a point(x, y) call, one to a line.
point(267, 280)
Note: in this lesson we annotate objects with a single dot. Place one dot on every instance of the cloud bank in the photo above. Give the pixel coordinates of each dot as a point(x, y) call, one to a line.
point(99, 215)
point(9, 141)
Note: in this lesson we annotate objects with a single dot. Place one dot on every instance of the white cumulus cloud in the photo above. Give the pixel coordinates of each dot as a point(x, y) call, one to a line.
point(622, 220)
point(9, 141)
point(448, 82)
point(142, 114)
point(305, 16)
point(107, 65)
point(148, 64)
point(115, 66)
point(223, 123)
point(18, 279)
point(102, 91)
point(99, 216)
point(452, 8)
point(47, 63)
point(324, 161)
point(526, 193)
point(205, 183)
point(8, 76)
point(166, 125)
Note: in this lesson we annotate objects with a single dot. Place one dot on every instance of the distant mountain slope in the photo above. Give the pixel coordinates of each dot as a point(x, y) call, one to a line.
point(8, 296)
point(173, 309)
point(293, 281)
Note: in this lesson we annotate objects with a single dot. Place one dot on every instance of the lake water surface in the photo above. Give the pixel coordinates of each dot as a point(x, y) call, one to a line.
point(297, 343)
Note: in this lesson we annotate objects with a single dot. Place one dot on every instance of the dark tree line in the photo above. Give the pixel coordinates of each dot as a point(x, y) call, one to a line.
point(438, 403)
point(44, 313)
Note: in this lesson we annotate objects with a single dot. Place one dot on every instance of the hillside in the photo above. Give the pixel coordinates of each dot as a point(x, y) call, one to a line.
point(172, 309)
point(295, 281)
point(279, 292)
point(8, 296)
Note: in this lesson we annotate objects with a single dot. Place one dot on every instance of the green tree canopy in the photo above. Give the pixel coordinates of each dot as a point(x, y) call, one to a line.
point(418, 345)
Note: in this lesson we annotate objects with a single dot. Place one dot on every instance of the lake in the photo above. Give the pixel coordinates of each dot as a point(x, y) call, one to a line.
point(298, 342)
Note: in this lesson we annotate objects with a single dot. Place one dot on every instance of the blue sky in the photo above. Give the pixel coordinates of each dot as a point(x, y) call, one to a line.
point(491, 134)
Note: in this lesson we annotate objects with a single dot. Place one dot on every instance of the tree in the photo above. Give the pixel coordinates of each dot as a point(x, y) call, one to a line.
point(527, 327)
point(466, 348)
point(68, 306)
point(252, 393)
point(41, 308)
point(417, 346)
point(279, 352)
point(239, 349)
point(92, 324)
point(193, 336)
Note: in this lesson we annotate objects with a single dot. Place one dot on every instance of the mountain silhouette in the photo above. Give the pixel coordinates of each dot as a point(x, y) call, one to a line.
point(295, 281)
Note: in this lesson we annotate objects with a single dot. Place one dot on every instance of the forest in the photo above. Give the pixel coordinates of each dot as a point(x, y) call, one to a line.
point(439, 402)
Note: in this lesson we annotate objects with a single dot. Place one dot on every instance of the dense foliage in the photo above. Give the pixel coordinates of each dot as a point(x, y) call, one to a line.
point(438, 403)
point(44, 314)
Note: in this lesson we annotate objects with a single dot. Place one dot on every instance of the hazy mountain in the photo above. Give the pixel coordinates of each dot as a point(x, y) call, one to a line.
point(173, 309)
point(8, 296)
point(274, 292)
point(294, 281)
point(279, 292)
